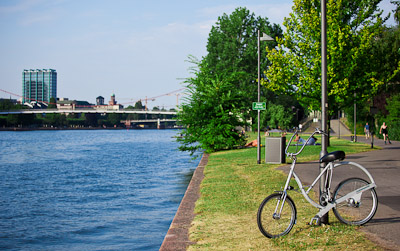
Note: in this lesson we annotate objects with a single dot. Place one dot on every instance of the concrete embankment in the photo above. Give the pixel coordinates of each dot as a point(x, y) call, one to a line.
point(177, 237)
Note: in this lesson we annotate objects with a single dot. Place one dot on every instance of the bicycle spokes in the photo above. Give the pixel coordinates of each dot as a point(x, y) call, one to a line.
point(276, 215)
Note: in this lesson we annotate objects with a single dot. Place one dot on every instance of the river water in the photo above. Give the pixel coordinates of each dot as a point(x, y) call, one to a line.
point(90, 189)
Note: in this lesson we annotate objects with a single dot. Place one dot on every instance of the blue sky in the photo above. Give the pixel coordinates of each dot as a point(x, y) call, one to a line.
point(128, 47)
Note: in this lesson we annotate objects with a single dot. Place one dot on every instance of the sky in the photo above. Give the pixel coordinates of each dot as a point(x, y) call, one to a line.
point(134, 49)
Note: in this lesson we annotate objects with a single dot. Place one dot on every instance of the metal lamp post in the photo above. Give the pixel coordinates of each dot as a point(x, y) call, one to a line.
point(265, 37)
point(324, 105)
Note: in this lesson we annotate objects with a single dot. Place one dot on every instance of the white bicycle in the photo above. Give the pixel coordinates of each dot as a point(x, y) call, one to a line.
point(354, 201)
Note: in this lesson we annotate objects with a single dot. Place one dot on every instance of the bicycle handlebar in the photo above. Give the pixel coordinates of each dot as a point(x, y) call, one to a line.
point(317, 131)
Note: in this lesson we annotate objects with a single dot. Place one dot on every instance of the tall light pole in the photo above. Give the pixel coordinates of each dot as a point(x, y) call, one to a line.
point(265, 37)
point(324, 104)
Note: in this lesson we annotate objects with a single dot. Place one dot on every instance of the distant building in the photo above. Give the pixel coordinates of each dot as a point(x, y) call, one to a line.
point(39, 85)
point(99, 100)
point(112, 104)
point(112, 101)
point(66, 104)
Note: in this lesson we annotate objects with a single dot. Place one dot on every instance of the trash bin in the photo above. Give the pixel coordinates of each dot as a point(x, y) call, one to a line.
point(275, 150)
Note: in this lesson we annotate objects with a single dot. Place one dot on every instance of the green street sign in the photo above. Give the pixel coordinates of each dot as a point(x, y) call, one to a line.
point(259, 106)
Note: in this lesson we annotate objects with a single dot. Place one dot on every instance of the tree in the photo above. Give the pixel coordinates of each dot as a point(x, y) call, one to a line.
point(276, 116)
point(232, 48)
point(91, 119)
point(52, 104)
point(6, 104)
point(139, 107)
point(225, 83)
point(282, 111)
point(396, 11)
point(296, 64)
point(210, 115)
point(114, 119)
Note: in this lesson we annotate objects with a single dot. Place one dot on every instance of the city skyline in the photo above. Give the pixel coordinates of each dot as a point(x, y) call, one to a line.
point(134, 49)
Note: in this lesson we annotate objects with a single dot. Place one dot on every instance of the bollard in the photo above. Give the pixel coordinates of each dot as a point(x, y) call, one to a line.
point(372, 139)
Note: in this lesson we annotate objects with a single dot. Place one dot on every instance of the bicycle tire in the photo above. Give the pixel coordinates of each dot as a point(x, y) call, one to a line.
point(353, 212)
point(273, 227)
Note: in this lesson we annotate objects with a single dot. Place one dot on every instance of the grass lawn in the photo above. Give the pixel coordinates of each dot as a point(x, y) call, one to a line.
point(233, 188)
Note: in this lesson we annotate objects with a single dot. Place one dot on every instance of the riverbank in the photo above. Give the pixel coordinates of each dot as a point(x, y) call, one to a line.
point(177, 237)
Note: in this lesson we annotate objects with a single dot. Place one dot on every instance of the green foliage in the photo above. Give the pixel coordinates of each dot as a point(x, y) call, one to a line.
point(393, 107)
point(54, 119)
point(138, 106)
point(114, 118)
point(91, 119)
point(52, 104)
point(282, 111)
point(277, 116)
point(224, 86)
point(396, 11)
point(232, 48)
point(296, 65)
point(6, 104)
point(211, 116)
point(386, 60)
point(393, 119)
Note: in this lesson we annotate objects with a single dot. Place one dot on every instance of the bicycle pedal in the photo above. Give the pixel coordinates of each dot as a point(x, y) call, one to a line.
point(317, 220)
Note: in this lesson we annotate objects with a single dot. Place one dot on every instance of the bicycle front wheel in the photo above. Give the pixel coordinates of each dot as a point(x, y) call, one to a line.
point(358, 209)
point(276, 217)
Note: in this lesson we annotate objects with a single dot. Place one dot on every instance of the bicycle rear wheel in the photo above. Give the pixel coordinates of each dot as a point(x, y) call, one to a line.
point(354, 211)
point(270, 222)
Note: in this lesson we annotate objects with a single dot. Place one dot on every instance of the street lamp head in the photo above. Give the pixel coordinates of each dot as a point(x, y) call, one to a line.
point(265, 37)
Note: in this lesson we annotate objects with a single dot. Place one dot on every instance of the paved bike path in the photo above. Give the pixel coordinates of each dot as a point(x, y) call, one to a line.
point(384, 165)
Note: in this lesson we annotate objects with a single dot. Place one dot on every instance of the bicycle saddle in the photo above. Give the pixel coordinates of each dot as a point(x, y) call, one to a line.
point(329, 157)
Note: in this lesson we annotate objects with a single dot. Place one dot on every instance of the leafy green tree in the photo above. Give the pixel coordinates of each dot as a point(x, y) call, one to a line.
point(232, 48)
point(277, 116)
point(54, 119)
point(91, 119)
point(114, 119)
point(139, 107)
point(225, 83)
point(386, 51)
point(52, 104)
point(393, 118)
point(130, 116)
point(396, 12)
point(6, 104)
point(352, 26)
point(210, 116)
point(13, 119)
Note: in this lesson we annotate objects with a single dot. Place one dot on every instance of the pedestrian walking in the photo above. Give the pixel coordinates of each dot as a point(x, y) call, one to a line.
point(366, 131)
point(384, 130)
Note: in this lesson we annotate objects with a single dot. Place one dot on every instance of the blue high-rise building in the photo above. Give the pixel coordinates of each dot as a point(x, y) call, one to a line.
point(39, 85)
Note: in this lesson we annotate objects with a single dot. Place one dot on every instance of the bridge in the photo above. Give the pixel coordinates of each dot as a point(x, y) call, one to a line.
point(128, 123)
point(85, 110)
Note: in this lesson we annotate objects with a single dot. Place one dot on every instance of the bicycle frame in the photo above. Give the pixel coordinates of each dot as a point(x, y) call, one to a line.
point(327, 170)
